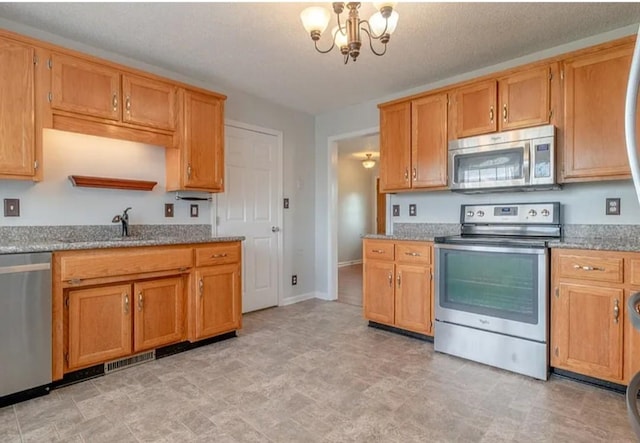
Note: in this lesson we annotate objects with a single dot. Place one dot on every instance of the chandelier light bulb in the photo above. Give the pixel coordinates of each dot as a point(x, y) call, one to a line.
point(378, 23)
point(368, 163)
point(315, 19)
point(341, 39)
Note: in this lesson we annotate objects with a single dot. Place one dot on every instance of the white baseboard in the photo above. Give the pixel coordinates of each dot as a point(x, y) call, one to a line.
point(297, 298)
point(349, 263)
point(324, 296)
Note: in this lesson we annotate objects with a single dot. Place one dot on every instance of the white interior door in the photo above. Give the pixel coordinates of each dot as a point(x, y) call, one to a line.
point(250, 207)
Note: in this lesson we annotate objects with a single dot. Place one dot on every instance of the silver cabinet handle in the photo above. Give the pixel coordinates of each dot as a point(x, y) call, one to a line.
point(491, 114)
point(588, 268)
point(398, 279)
point(140, 302)
point(114, 101)
point(616, 311)
point(126, 303)
point(390, 280)
point(415, 173)
point(378, 251)
point(127, 104)
point(406, 174)
point(189, 170)
point(504, 112)
point(275, 229)
point(219, 255)
point(201, 287)
point(412, 254)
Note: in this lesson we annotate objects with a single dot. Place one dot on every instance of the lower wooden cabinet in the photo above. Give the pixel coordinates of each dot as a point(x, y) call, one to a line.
point(591, 332)
point(159, 313)
point(588, 330)
point(99, 325)
point(398, 284)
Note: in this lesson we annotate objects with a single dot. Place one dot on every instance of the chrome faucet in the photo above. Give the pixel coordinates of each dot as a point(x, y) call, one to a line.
point(124, 219)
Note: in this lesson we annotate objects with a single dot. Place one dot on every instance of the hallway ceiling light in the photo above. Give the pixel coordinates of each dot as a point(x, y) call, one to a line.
point(368, 163)
point(346, 36)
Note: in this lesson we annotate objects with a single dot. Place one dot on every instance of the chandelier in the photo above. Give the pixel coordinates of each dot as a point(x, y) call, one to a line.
point(346, 36)
point(368, 162)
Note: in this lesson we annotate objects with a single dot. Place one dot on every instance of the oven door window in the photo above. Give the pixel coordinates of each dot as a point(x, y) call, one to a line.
point(490, 166)
point(496, 284)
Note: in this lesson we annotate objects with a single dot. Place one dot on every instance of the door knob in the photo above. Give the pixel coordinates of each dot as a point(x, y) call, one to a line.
point(275, 229)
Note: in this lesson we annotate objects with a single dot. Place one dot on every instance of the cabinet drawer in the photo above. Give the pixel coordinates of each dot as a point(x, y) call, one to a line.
point(590, 267)
point(378, 250)
point(109, 263)
point(413, 253)
point(633, 271)
point(221, 254)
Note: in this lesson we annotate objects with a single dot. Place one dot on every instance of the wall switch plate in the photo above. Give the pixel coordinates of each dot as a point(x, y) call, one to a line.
point(413, 211)
point(12, 207)
point(168, 209)
point(286, 203)
point(294, 280)
point(396, 210)
point(612, 206)
point(194, 210)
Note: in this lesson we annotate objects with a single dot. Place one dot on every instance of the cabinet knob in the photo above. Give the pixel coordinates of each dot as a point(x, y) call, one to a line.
point(127, 104)
point(390, 280)
point(616, 311)
point(504, 112)
point(126, 303)
point(491, 114)
point(140, 302)
point(406, 174)
point(114, 101)
point(189, 170)
point(415, 173)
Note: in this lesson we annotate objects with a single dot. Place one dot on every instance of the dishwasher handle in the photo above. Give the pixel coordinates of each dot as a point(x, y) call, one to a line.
point(25, 268)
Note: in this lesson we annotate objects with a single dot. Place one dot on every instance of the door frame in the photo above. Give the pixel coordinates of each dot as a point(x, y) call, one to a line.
point(279, 197)
point(332, 206)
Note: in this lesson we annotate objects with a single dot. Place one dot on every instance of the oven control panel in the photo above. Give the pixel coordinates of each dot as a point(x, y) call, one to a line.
point(511, 213)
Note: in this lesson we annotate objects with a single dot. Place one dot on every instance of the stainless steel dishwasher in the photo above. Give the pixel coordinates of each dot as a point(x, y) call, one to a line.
point(25, 326)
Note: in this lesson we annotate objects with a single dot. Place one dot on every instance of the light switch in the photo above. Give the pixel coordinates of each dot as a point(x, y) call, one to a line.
point(396, 210)
point(168, 209)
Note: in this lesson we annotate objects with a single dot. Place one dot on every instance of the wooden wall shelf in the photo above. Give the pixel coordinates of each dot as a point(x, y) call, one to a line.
point(112, 183)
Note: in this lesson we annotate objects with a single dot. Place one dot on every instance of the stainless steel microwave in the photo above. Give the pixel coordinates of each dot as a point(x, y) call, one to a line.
point(514, 160)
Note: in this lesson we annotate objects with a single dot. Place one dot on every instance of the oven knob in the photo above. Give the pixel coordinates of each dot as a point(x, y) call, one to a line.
point(469, 213)
point(545, 213)
point(480, 213)
point(532, 212)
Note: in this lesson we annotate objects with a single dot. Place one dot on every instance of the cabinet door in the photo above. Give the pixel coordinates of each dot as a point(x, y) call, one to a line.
point(203, 142)
point(99, 325)
point(524, 98)
point(429, 142)
point(17, 124)
point(149, 102)
point(594, 94)
point(395, 147)
point(159, 313)
point(378, 291)
point(413, 298)
point(586, 331)
point(218, 300)
point(85, 87)
point(475, 108)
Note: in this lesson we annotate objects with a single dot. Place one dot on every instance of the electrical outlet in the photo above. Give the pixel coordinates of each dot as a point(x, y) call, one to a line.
point(612, 206)
point(286, 203)
point(12, 207)
point(413, 211)
point(194, 210)
point(168, 209)
point(294, 280)
point(396, 210)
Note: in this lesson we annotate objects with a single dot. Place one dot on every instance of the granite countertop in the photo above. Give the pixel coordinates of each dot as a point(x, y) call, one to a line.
point(407, 237)
point(68, 238)
point(631, 244)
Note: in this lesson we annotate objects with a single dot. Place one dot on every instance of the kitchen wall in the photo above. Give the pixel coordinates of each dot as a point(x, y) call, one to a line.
point(356, 211)
point(584, 202)
point(54, 201)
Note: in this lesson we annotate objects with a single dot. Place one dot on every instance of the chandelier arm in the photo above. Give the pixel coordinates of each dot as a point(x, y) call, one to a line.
point(370, 31)
point(323, 51)
point(340, 26)
point(371, 44)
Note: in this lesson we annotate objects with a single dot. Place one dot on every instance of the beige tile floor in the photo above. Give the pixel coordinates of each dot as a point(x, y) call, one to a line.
point(314, 372)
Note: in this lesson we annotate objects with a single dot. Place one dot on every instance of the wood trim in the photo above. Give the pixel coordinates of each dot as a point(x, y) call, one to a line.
point(111, 183)
point(84, 125)
point(515, 69)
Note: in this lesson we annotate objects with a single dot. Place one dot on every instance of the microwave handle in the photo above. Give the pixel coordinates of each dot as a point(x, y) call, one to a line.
point(526, 163)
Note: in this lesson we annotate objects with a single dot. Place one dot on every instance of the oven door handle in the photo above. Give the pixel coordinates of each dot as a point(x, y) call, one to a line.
point(500, 249)
point(526, 163)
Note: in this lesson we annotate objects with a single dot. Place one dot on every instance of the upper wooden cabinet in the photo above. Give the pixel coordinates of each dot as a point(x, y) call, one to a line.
point(18, 140)
point(517, 100)
point(413, 144)
point(97, 90)
point(594, 100)
point(198, 163)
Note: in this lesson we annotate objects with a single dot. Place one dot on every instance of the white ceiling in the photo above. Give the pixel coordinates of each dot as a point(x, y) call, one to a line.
point(262, 48)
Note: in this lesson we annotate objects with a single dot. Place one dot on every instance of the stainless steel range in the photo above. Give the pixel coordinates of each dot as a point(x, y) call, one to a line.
point(492, 286)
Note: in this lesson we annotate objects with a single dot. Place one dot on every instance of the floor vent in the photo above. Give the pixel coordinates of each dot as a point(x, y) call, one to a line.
point(123, 363)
